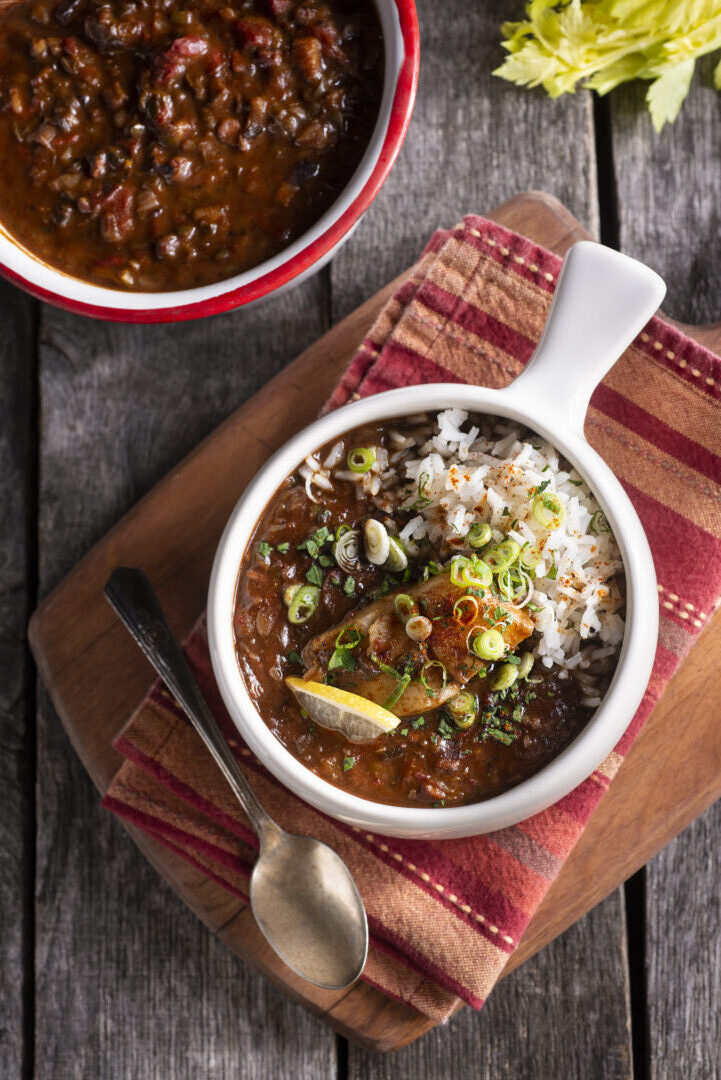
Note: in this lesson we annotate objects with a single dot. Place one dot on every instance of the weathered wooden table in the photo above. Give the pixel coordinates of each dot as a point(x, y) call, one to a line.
point(103, 973)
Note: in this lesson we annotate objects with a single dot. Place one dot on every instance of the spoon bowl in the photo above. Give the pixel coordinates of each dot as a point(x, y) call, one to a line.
point(309, 908)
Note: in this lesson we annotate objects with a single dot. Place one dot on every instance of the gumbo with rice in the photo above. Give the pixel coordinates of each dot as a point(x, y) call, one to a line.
point(430, 609)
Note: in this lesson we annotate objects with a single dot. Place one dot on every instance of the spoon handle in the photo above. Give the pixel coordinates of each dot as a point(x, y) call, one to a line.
point(131, 595)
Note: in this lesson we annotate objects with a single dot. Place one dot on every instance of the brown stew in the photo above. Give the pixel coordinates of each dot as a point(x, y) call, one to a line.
point(163, 144)
point(427, 760)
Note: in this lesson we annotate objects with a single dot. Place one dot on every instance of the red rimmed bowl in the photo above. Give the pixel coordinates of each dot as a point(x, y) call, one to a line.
point(305, 256)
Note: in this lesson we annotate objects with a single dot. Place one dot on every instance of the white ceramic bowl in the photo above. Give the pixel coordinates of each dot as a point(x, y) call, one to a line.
point(305, 256)
point(602, 301)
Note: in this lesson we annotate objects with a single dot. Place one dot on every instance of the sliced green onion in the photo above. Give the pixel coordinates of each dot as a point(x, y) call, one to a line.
point(478, 575)
point(361, 459)
point(405, 606)
point(305, 601)
point(515, 585)
point(548, 510)
point(458, 565)
point(465, 610)
point(530, 557)
point(503, 555)
point(505, 677)
point(426, 669)
point(488, 644)
point(385, 668)
point(524, 592)
point(377, 542)
point(397, 559)
point(524, 668)
point(479, 535)
point(399, 691)
point(470, 573)
point(341, 531)
point(346, 548)
point(506, 585)
point(354, 638)
point(463, 709)
point(289, 592)
point(419, 628)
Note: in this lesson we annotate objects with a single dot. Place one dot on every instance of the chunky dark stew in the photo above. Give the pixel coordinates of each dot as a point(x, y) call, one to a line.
point(437, 633)
point(166, 144)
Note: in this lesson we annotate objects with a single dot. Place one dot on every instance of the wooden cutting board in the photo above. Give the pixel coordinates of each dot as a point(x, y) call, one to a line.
point(96, 676)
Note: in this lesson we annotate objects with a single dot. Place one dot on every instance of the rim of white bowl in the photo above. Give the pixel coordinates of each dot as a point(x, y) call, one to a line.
point(577, 761)
point(399, 25)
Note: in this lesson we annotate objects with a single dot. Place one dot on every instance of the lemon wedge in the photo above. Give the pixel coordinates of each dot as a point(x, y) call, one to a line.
point(356, 718)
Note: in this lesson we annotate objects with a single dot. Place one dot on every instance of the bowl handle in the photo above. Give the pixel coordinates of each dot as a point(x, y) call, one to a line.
point(602, 301)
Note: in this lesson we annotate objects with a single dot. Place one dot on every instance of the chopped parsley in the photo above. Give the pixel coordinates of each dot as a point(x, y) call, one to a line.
point(418, 722)
point(342, 659)
point(264, 549)
point(349, 586)
point(314, 543)
point(444, 729)
point(598, 524)
point(348, 763)
point(283, 548)
point(500, 736)
point(315, 575)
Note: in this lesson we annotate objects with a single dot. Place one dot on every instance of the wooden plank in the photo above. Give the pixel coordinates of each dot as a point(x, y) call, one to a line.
point(683, 950)
point(683, 902)
point(667, 194)
point(17, 372)
point(128, 982)
point(475, 141)
point(554, 1018)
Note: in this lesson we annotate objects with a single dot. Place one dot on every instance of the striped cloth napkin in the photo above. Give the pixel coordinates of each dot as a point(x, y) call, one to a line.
point(445, 916)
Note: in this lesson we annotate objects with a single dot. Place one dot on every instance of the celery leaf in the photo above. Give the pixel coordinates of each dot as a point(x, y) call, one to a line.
point(600, 44)
point(667, 94)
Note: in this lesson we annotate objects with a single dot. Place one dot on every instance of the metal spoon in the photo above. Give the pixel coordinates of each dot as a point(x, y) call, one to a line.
point(303, 896)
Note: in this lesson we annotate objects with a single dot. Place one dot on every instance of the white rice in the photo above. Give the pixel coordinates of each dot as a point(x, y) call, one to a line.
point(452, 475)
